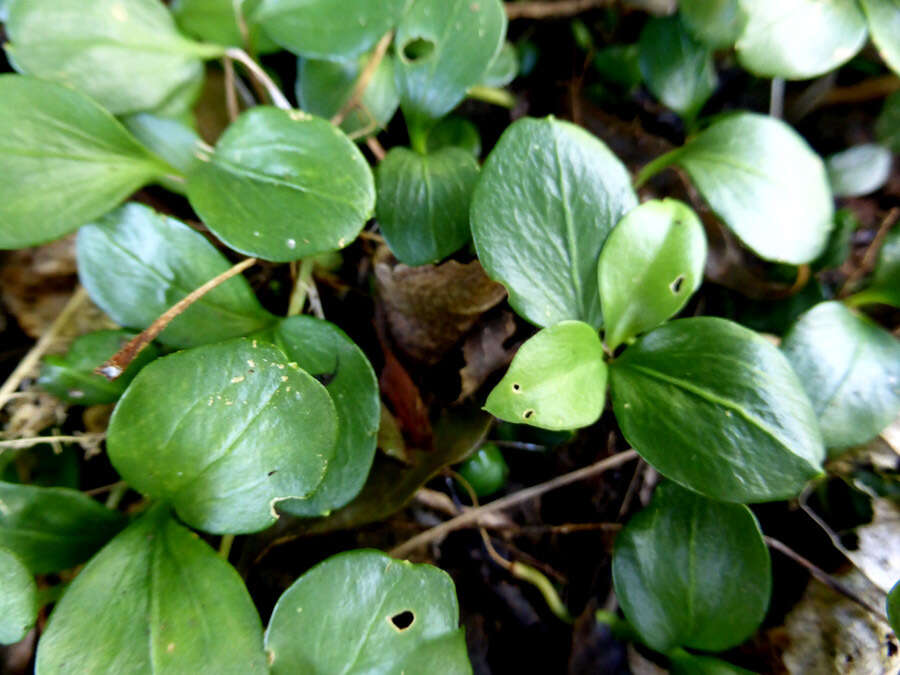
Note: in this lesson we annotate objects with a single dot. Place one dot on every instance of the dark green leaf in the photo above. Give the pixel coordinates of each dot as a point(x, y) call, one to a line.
point(689, 571)
point(363, 612)
point(678, 69)
point(423, 202)
point(53, 529)
point(136, 263)
point(557, 380)
point(620, 65)
point(125, 54)
point(18, 599)
point(850, 368)
point(325, 352)
point(216, 21)
point(71, 376)
point(763, 181)
point(156, 600)
point(486, 470)
point(887, 127)
point(650, 266)
point(72, 161)
point(884, 25)
point(718, 23)
point(239, 429)
point(884, 286)
point(893, 608)
point(717, 408)
point(503, 68)
point(839, 241)
point(283, 185)
point(685, 663)
point(859, 170)
point(170, 139)
point(549, 195)
point(326, 29)
point(455, 132)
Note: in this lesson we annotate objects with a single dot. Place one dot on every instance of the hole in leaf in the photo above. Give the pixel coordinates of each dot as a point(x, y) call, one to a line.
point(676, 285)
point(528, 414)
point(403, 620)
point(417, 49)
point(517, 387)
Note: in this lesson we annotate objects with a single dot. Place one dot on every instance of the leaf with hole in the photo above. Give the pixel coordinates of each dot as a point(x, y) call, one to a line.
point(53, 529)
point(72, 161)
point(549, 195)
point(650, 266)
point(71, 376)
point(363, 612)
point(240, 428)
point(859, 170)
point(763, 181)
point(282, 185)
point(216, 21)
point(800, 39)
point(125, 54)
point(677, 68)
point(326, 353)
point(884, 25)
point(18, 599)
point(884, 286)
point(324, 29)
point(850, 367)
point(171, 139)
point(718, 409)
point(136, 263)
point(156, 599)
point(423, 202)
point(692, 572)
point(718, 23)
point(557, 380)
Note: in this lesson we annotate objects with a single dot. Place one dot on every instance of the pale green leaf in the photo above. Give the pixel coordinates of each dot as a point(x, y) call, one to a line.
point(859, 170)
point(884, 25)
point(216, 21)
point(18, 599)
point(718, 23)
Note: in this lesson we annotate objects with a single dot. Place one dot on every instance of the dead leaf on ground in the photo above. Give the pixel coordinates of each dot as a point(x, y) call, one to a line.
point(484, 352)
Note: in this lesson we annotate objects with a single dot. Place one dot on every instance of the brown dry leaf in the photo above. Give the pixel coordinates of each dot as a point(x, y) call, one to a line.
point(409, 408)
point(390, 437)
point(484, 353)
point(429, 308)
point(877, 554)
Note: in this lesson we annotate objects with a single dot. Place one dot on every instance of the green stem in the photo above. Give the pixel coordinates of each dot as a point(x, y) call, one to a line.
point(870, 296)
point(654, 168)
point(301, 287)
point(115, 495)
point(619, 627)
point(542, 583)
point(225, 546)
point(493, 95)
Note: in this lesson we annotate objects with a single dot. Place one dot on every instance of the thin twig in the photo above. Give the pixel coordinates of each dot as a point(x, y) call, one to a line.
point(22, 443)
point(867, 90)
point(362, 82)
point(236, 6)
point(104, 488)
point(376, 148)
point(869, 257)
point(231, 102)
point(260, 76)
point(776, 98)
point(551, 10)
point(123, 358)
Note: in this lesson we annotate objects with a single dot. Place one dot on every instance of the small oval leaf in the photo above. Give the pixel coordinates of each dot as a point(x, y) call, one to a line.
point(884, 25)
point(718, 23)
point(859, 170)
point(18, 599)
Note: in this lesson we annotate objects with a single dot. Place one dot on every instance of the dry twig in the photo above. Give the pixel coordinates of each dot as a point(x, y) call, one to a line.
point(552, 10)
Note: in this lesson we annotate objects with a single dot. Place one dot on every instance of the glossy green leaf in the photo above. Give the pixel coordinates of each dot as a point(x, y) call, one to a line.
point(423, 202)
point(850, 368)
point(884, 25)
point(620, 65)
point(651, 264)
point(800, 39)
point(677, 68)
point(763, 181)
point(893, 608)
point(71, 376)
point(685, 663)
point(884, 287)
point(486, 470)
point(718, 23)
point(363, 612)
point(503, 68)
point(136, 264)
point(324, 86)
point(454, 132)
point(689, 571)
point(326, 29)
point(557, 380)
point(718, 409)
point(859, 170)
point(53, 529)
point(240, 428)
point(444, 47)
point(283, 185)
point(18, 599)
point(887, 127)
point(549, 195)
point(72, 161)
point(325, 352)
point(216, 21)
point(170, 139)
point(125, 54)
point(156, 600)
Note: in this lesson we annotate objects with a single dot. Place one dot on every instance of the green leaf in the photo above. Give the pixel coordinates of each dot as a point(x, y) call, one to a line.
point(763, 181)
point(689, 571)
point(136, 264)
point(503, 68)
point(170, 139)
point(549, 195)
point(887, 127)
point(18, 599)
point(718, 23)
point(71, 376)
point(239, 429)
point(486, 470)
point(884, 25)
point(423, 202)
point(444, 47)
point(840, 241)
point(363, 612)
point(718, 409)
point(323, 87)
point(125, 54)
point(859, 170)
point(156, 600)
point(72, 161)
point(893, 608)
point(619, 65)
point(651, 264)
point(557, 380)
point(850, 368)
point(323, 29)
point(678, 69)
point(53, 529)
point(454, 132)
point(685, 663)
point(800, 39)
point(884, 286)
point(283, 185)
point(215, 21)
point(324, 351)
